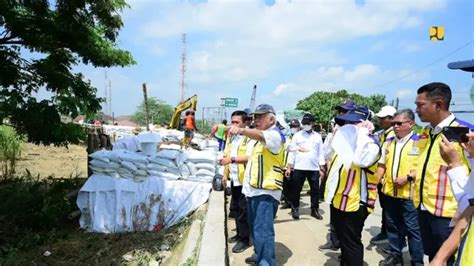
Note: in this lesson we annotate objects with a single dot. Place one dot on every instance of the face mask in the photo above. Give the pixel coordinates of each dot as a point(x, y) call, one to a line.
point(294, 130)
point(307, 127)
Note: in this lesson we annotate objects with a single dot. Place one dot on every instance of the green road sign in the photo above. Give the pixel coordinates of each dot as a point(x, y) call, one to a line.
point(231, 102)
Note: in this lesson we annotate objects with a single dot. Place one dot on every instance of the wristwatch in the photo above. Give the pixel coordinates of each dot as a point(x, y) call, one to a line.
point(232, 159)
point(410, 178)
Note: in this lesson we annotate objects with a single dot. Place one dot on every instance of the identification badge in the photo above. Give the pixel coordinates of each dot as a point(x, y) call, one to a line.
point(414, 151)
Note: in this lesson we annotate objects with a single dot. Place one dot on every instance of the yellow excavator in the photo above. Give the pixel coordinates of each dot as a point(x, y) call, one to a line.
point(190, 103)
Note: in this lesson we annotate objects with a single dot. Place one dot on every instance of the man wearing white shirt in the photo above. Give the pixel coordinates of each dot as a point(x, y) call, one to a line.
point(263, 180)
point(307, 149)
point(235, 159)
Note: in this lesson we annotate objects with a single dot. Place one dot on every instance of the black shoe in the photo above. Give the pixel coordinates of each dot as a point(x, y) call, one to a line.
point(252, 259)
point(241, 246)
point(392, 260)
point(285, 205)
point(381, 238)
point(316, 214)
point(295, 214)
point(232, 214)
point(234, 239)
point(328, 247)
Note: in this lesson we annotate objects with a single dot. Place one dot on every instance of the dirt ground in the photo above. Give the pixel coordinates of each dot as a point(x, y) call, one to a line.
point(59, 162)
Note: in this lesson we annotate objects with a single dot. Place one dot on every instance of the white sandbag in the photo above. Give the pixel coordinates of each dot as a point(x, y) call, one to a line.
point(96, 169)
point(100, 155)
point(123, 170)
point(133, 158)
point(204, 172)
point(102, 164)
point(184, 170)
point(139, 178)
point(156, 167)
point(177, 155)
point(163, 169)
point(206, 166)
point(130, 166)
point(154, 173)
point(140, 172)
point(202, 157)
point(170, 176)
point(192, 168)
point(128, 143)
point(142, 166)
point(162, 161)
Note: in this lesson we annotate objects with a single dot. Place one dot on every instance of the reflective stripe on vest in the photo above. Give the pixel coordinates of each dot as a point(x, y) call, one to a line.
point(432, 186)
point(406, 163)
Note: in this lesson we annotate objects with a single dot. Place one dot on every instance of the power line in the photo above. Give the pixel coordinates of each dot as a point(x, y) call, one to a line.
point(427, 65)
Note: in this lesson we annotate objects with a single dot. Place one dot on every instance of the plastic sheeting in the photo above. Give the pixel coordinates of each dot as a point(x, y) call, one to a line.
point(110, 204)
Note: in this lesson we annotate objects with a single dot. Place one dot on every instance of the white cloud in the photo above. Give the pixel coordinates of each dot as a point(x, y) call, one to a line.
point(404, 94)
point(249, 40)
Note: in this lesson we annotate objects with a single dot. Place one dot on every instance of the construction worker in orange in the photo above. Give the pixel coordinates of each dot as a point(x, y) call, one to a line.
point(189, 127)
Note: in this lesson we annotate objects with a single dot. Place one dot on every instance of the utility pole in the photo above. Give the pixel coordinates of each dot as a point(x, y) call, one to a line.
point(396, 103)
point(183, 67)
point(146, 107)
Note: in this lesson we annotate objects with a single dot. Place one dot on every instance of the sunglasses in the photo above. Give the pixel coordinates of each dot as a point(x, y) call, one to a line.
point(399, 123)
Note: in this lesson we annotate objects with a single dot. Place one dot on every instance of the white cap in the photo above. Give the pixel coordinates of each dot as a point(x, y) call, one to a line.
point(386, 111)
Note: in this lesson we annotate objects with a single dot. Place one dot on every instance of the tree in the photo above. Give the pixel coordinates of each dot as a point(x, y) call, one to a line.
point(322, 103)
point(40, 42)
point(159, 111)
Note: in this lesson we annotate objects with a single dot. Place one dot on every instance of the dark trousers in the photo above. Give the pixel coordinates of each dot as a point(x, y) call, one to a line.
point(434, 231)
point(285, 191)
point(348, 227)
point(322, 188)
point(236, 191)
point(241, 221)
point(296, 185)
point(402, 219)
point(382, 199)
point(332, 231)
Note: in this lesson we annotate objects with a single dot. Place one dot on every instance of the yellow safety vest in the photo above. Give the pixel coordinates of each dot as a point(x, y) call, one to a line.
point(432, 185)
point(383, 135)
point(241, 151)
point(352, 185)
point(285, 155)
point(465, 255)
point(408, 161)
point(266, 170)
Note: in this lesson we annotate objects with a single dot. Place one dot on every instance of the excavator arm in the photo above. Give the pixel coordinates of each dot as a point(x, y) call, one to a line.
point(190, 103)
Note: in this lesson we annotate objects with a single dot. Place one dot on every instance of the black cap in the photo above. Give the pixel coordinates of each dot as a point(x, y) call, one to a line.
point(307, 119)
point(295, 123)
point(264, 109)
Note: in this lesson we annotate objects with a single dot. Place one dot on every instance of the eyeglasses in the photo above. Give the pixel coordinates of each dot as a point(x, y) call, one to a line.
point(399, 123)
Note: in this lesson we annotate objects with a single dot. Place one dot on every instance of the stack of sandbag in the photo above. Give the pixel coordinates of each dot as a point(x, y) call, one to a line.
point(202, 165)
point(167, 163)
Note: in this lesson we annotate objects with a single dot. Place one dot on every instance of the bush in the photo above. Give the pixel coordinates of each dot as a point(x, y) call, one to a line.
point(10, 150)
point(32, 210)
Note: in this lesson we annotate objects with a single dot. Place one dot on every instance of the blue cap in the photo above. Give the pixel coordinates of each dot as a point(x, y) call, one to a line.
point(355, 115)
point(347, 105)
point(263, 109)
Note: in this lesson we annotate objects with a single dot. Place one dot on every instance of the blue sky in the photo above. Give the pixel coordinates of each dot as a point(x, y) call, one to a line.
point(289, 49)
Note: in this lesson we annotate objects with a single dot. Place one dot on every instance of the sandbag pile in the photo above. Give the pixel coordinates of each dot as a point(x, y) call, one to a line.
point(167, 163)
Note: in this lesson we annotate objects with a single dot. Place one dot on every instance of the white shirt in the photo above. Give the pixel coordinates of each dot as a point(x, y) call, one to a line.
point(398, 150)
point(462, 186)
point(437, 129)
point(233, 167)
point(272, 142)
point(365, 154)
point(314, 157)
